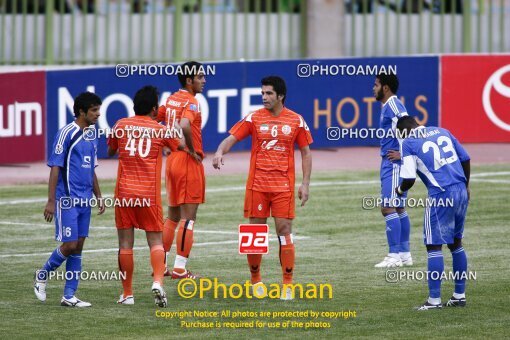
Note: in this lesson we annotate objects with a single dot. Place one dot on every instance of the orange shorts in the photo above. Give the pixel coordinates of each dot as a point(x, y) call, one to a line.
point(185, 179)
point(145, 218)
point(262, 204)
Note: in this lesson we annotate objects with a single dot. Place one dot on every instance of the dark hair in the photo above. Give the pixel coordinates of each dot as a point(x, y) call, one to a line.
point(84, 101)
point(406, 122)
point(145, 100)
point(188, 70)
point(389, 79)
point(278, 85)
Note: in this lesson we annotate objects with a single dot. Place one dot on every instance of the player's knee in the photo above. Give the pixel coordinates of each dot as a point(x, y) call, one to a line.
point(400, 210)
point(284, 228)
point(69, 248)
point(386, 211)
point(189, 212)
point(174, 214)
point(431, 247)
point(457, 243)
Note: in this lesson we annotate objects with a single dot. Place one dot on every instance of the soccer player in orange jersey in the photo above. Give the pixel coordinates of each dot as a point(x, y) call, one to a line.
point(139, 141)
point(270, 186)
point(185, 179)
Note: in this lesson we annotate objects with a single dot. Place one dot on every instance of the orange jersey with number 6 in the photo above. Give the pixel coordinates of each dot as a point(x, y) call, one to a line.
point(272, 151)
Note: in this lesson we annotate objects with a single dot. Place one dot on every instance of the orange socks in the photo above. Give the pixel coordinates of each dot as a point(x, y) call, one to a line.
point(127, 266)
point(185, 237)
point(287, 254)
point(184, 243)
point(158, 262)
point(254, 261)
point(168, 234)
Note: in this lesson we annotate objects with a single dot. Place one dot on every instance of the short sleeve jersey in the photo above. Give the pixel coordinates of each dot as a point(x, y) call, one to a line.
point(272, 151)
point(76, 157)
point(436, 155)
point(139, 140)
point(183, 104)
point(391, 111)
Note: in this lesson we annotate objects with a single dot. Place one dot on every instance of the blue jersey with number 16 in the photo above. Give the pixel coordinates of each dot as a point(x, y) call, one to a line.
point(436, 155)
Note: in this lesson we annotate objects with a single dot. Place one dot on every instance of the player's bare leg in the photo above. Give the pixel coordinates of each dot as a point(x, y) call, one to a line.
point(72, 247)
point(254, 262)
point(174, 216)
point(405, 230)
point(287, 254)
point(126, 264)
point(393, 235)
point(184, 243)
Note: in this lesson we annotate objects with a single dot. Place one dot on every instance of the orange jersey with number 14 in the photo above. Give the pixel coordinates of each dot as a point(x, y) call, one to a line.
point(183, 104)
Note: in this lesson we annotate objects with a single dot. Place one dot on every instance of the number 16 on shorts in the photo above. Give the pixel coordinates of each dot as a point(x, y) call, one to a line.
point(253, 239)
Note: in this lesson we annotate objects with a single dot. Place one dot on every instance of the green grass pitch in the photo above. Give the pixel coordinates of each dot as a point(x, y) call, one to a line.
point(340, 243)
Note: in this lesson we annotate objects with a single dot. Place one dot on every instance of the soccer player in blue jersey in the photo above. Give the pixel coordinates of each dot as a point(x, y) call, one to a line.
point(444, 167)
point(72, 161)
point(398, 226)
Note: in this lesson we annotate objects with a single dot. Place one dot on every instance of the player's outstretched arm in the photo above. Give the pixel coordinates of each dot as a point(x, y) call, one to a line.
point(306, 165)
point(223, 148)
point(97, 193)
point(49, 210)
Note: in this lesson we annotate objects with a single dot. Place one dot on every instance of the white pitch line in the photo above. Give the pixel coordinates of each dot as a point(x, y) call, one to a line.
point(497, 181)
point(111, 250)
point(313, 184)
point(488, 174)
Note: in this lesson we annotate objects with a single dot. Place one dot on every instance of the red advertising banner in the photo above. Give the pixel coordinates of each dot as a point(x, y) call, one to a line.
point(22, 117)
point(475, 97)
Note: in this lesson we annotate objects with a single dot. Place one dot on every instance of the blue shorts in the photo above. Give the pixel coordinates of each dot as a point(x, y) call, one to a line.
point(444, 217)
point(390, 180)
point(71, 223)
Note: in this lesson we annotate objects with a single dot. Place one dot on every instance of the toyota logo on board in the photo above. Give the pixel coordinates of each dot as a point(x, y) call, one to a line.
point(495, 82)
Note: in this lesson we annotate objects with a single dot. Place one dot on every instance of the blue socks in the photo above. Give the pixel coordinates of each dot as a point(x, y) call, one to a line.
point(393, 232)
point(435, 268)
point(73, 270)
point(460, 269)
point(405, 231)
point(55, 260)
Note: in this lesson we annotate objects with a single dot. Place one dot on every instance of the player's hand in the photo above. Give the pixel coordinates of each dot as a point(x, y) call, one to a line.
point(217, 161)
point(196, 156)
point(101, 205)
point(303, 193)
point(182, 145)
point(398, 193)
point(393, 155)
point(49, 210)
